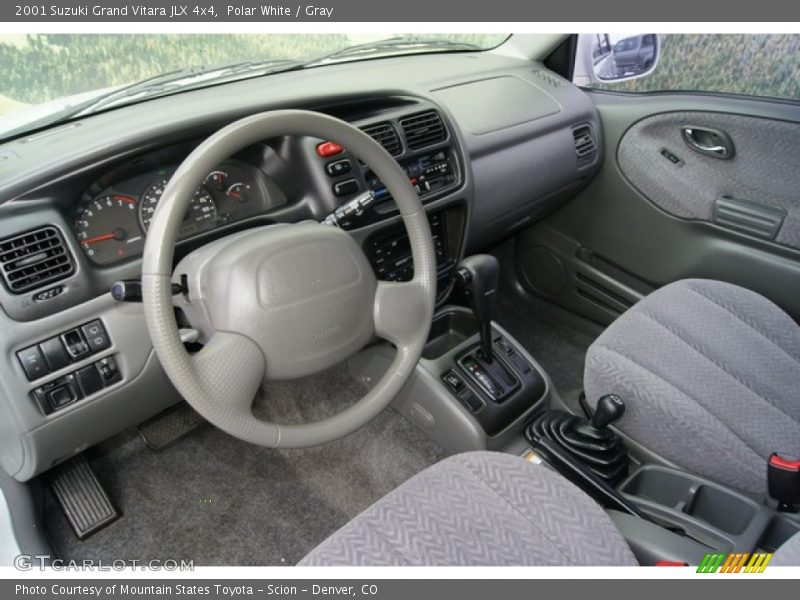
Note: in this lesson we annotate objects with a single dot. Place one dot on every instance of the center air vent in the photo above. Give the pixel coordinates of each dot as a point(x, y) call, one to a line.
point(33, 259)
point(585, 146)
point(423, 129)
point(386, 135)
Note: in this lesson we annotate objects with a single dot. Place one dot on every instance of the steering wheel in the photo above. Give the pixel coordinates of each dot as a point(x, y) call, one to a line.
point(282, 301)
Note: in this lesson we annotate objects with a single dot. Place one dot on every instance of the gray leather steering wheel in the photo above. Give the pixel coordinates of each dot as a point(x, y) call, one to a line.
point(283, 301)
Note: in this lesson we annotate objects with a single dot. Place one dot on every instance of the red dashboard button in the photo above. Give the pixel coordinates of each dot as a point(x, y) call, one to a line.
point(326, 149)
point(784, 463)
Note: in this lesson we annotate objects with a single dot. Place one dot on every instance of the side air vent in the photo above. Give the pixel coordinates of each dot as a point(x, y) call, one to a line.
point(423, 129)
point(386, 135)
point(585, 145)
point(33, 259)
point(549, 78)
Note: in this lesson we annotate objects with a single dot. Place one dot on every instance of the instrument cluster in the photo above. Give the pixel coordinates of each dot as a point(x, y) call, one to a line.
point(112, 225)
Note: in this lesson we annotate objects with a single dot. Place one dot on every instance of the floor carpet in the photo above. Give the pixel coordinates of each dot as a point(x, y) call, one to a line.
point(560, 349)
point(218, 501)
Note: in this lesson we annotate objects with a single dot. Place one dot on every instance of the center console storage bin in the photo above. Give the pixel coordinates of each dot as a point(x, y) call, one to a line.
point(682, 493)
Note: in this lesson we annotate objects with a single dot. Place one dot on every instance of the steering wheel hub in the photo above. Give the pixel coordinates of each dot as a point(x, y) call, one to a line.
point(300, 292)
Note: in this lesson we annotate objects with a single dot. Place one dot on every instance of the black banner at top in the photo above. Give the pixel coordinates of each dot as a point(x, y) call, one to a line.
point(473, 11)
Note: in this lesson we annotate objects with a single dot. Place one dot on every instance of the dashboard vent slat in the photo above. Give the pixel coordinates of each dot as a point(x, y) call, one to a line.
point(386, 135)
point(585, 145)
point(423, 129)
point(33, 259)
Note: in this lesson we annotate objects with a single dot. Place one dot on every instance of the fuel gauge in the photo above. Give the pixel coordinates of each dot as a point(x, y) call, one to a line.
point(216, 180)
point(238, 192)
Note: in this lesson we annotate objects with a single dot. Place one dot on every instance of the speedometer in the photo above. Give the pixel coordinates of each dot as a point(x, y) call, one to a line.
point(200, 216)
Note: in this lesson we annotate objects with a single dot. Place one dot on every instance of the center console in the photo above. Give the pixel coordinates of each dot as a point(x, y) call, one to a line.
point(664, 513)
point(475, 386)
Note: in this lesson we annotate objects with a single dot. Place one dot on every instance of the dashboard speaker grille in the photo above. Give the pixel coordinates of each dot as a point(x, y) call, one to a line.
point(585, 145)
point(386, 135)
point(33, 259)
point(423, 129)
point(550, 78)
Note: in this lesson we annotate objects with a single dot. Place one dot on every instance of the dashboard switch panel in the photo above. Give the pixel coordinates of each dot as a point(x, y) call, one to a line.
point(64, 349)
point(86, 381)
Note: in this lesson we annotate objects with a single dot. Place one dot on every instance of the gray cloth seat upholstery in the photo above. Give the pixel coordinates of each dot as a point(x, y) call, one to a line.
point(710, 373)
point(479, 508)
point(486, 508)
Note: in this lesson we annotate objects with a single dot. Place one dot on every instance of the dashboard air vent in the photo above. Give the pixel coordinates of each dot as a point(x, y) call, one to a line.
point(423, 129)
point(585, 145)
point(386, 135)
point(32, 259)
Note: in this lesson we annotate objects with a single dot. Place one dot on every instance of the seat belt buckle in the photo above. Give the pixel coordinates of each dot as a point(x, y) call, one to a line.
point(783, 481)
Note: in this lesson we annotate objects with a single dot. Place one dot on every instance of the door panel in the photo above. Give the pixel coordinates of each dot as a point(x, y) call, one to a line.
point(646, 221)
point(760, 174)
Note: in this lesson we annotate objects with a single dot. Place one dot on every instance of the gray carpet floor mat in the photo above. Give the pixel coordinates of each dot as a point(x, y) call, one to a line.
point(558, 348)
point(219, 501)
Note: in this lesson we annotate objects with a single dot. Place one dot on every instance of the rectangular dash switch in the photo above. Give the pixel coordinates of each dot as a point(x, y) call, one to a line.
point(96, 336)
point(33, 363)
point(55, 353)
point(90, 380)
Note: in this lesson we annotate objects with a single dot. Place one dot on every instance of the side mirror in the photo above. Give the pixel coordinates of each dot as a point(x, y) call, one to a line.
point(608, 58)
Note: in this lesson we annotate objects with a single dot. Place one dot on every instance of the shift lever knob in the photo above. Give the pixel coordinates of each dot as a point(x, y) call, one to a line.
point(609, 409)
point(479, 275)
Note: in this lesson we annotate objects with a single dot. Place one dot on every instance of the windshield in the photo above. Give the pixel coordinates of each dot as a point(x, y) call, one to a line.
point(48, 78)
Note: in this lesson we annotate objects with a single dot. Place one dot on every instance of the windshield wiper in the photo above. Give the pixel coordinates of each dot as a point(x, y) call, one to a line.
point(395, 45)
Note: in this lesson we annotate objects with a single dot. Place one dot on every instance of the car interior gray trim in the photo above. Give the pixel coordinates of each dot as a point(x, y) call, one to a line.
point(763, 169)
point(640, 246)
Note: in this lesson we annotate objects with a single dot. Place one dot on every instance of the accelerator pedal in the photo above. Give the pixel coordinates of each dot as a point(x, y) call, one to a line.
point(169, 426)
point(82, 497)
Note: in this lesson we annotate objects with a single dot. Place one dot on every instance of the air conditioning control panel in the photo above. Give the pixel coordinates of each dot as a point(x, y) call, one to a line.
point(423, 146)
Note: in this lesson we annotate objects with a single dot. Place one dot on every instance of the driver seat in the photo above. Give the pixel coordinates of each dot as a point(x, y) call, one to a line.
point(486, 509)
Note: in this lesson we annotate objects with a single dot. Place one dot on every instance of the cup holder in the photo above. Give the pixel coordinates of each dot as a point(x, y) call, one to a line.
point(680, 492)
point(449, 330)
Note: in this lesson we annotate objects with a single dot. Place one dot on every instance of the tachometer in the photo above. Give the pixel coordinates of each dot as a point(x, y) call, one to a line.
point(107, 228)
point(201, 215)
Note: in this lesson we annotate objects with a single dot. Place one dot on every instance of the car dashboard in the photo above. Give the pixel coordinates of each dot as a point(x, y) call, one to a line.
point(489, 143)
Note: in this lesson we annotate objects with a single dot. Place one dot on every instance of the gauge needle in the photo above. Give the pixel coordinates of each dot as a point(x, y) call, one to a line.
point(118, 234)
point(98, 238)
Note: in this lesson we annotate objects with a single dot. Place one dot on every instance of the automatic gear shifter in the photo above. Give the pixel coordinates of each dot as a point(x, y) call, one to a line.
point(479, 275)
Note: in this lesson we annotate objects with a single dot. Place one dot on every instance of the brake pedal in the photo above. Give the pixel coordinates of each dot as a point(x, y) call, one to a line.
point(169, 426)
point(82, 497)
